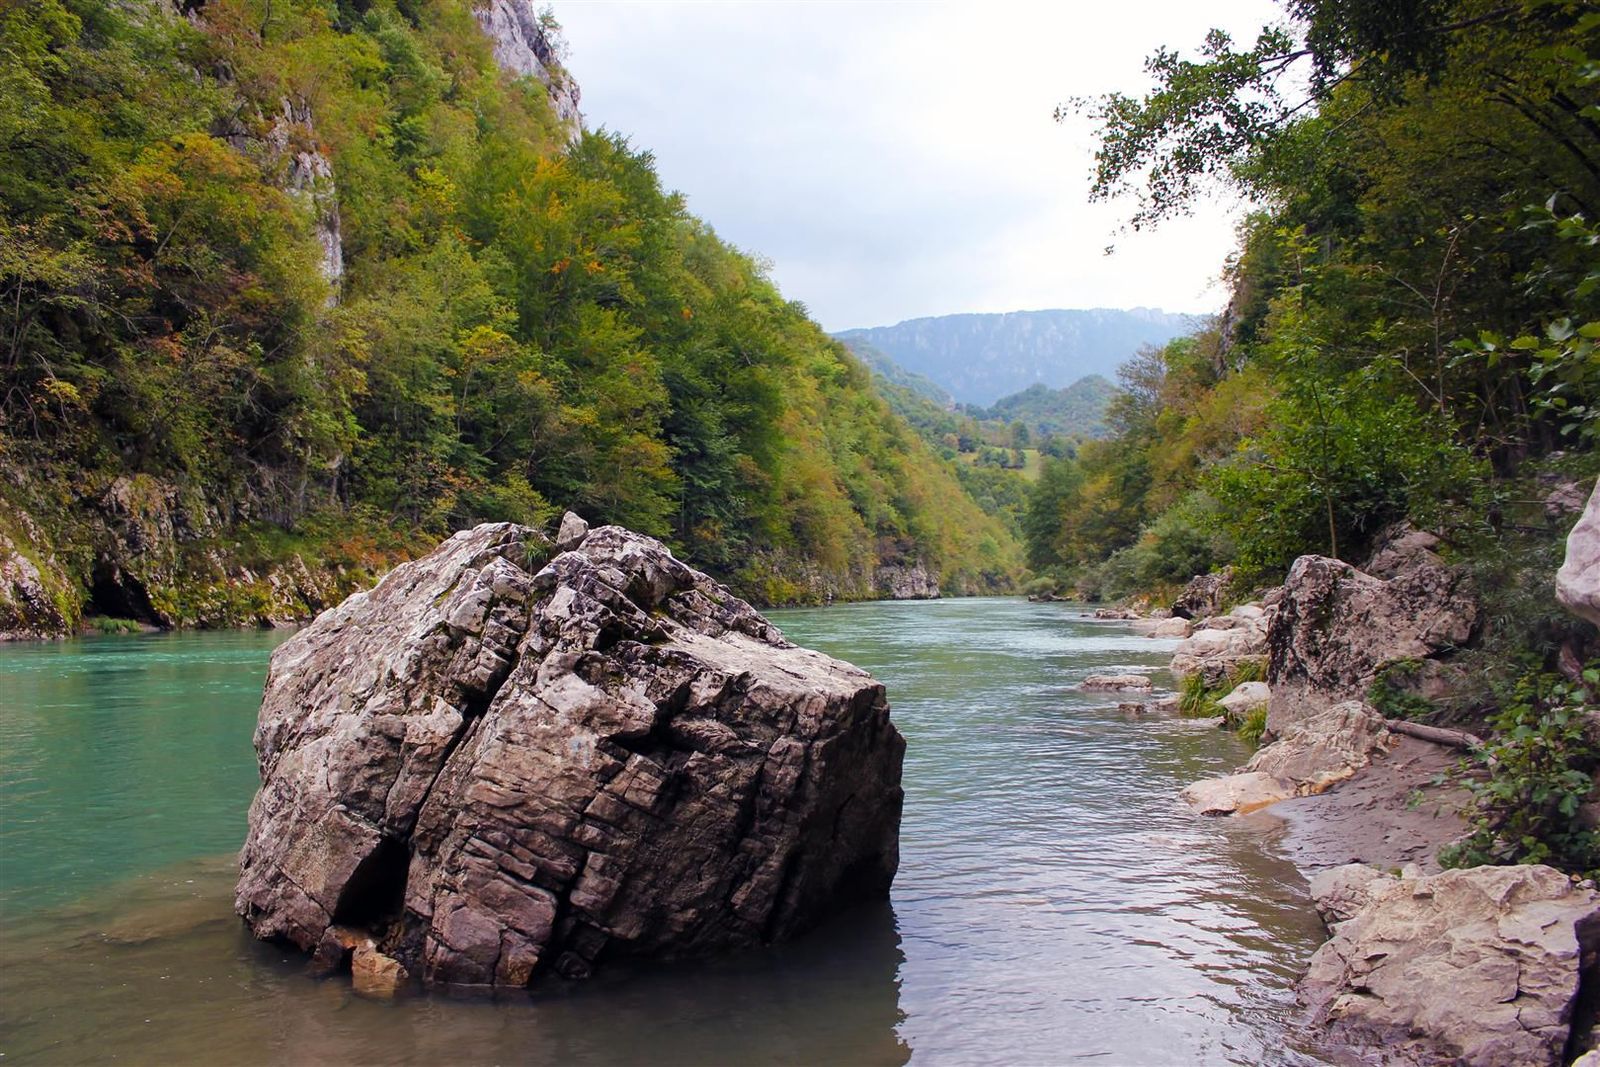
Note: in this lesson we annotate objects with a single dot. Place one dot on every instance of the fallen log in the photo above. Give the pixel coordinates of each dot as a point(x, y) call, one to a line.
point(1439, 735)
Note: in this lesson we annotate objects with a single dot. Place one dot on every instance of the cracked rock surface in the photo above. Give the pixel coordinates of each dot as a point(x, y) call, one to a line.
point(501, 767)
point(1479, 966)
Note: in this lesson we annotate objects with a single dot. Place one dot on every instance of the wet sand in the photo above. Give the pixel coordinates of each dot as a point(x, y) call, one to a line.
point(1389, 815)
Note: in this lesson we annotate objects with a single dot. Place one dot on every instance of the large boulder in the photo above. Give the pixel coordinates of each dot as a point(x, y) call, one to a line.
point(1335, 628)
point(499, 767)
point(1578, 580)
point(1478, 967)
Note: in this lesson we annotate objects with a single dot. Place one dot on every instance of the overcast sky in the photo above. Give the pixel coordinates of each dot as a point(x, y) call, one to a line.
point(894, 160)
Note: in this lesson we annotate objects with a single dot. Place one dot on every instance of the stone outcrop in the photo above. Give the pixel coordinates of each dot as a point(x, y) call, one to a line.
point(1203, 595)
point(1335, 628)
point(1479, 966)
point(1220, 645)
point(36, 599)
point(157, 559)
point(906, 581)
point(1578, 580)
point(1316, 752)
point(499, 767)
point(524, 47)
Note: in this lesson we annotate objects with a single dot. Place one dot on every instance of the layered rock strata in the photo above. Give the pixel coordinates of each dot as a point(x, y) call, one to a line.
point(500, 767)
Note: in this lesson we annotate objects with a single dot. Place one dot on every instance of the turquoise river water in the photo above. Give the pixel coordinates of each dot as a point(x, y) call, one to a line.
point(1055, 904)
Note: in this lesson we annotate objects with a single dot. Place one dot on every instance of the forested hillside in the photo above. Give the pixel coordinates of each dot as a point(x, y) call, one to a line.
point(289, 288)
point(1412, 329)
point(1078, 410)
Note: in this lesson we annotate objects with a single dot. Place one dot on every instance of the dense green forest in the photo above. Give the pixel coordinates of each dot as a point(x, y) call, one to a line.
point(1411, 332)
point(319, 279)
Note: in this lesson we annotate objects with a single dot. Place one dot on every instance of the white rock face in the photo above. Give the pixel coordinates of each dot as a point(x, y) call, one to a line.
point(310, 180)
point(1477, 966)
point(1578, 580)
point(522, 46)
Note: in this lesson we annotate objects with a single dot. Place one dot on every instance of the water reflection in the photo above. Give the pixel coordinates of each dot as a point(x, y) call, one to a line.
point(160, 972)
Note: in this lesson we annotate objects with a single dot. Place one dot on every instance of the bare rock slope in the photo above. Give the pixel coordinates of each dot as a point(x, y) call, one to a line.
point(496, 766)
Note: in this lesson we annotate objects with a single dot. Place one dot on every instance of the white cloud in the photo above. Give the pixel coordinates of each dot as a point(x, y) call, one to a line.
point(899, 159)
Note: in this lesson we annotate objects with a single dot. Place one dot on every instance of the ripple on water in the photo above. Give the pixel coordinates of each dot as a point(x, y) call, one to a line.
point(1054, 904)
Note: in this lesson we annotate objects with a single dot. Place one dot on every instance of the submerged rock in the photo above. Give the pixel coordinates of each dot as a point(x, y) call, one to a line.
point(1479, 966)
point(1118, 682)
point(499, 769)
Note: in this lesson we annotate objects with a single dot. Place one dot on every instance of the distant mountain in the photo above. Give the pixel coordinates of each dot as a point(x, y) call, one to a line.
point(1080, 408)
point(980, 358)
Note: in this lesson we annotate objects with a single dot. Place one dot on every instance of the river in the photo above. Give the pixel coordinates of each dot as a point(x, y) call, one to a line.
point(1054, 905)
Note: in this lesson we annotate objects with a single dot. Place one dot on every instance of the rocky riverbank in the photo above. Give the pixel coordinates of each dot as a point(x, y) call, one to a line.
point(1483, 965)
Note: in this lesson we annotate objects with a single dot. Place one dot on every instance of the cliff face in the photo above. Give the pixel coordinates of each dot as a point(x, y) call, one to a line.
point(522, 45)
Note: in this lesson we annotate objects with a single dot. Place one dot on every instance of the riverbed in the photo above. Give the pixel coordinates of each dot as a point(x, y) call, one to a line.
point(1055, 903)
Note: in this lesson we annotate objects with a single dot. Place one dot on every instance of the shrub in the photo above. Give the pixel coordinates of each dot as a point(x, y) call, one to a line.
point(1539, 769)
point(1253, 726)
point(1392, 691)
point(1195, 700)
point(1247, 670)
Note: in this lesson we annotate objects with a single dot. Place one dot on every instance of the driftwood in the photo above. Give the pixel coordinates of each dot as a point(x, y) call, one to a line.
point(1437, 734)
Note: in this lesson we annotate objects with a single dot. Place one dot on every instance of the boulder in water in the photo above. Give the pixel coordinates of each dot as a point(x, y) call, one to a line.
point(498, 767)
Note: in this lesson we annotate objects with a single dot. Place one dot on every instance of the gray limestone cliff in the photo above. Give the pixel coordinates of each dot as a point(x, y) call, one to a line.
point(523, 45)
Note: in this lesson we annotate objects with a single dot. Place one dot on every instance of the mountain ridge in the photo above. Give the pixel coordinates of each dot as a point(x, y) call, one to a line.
point(982, 357)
